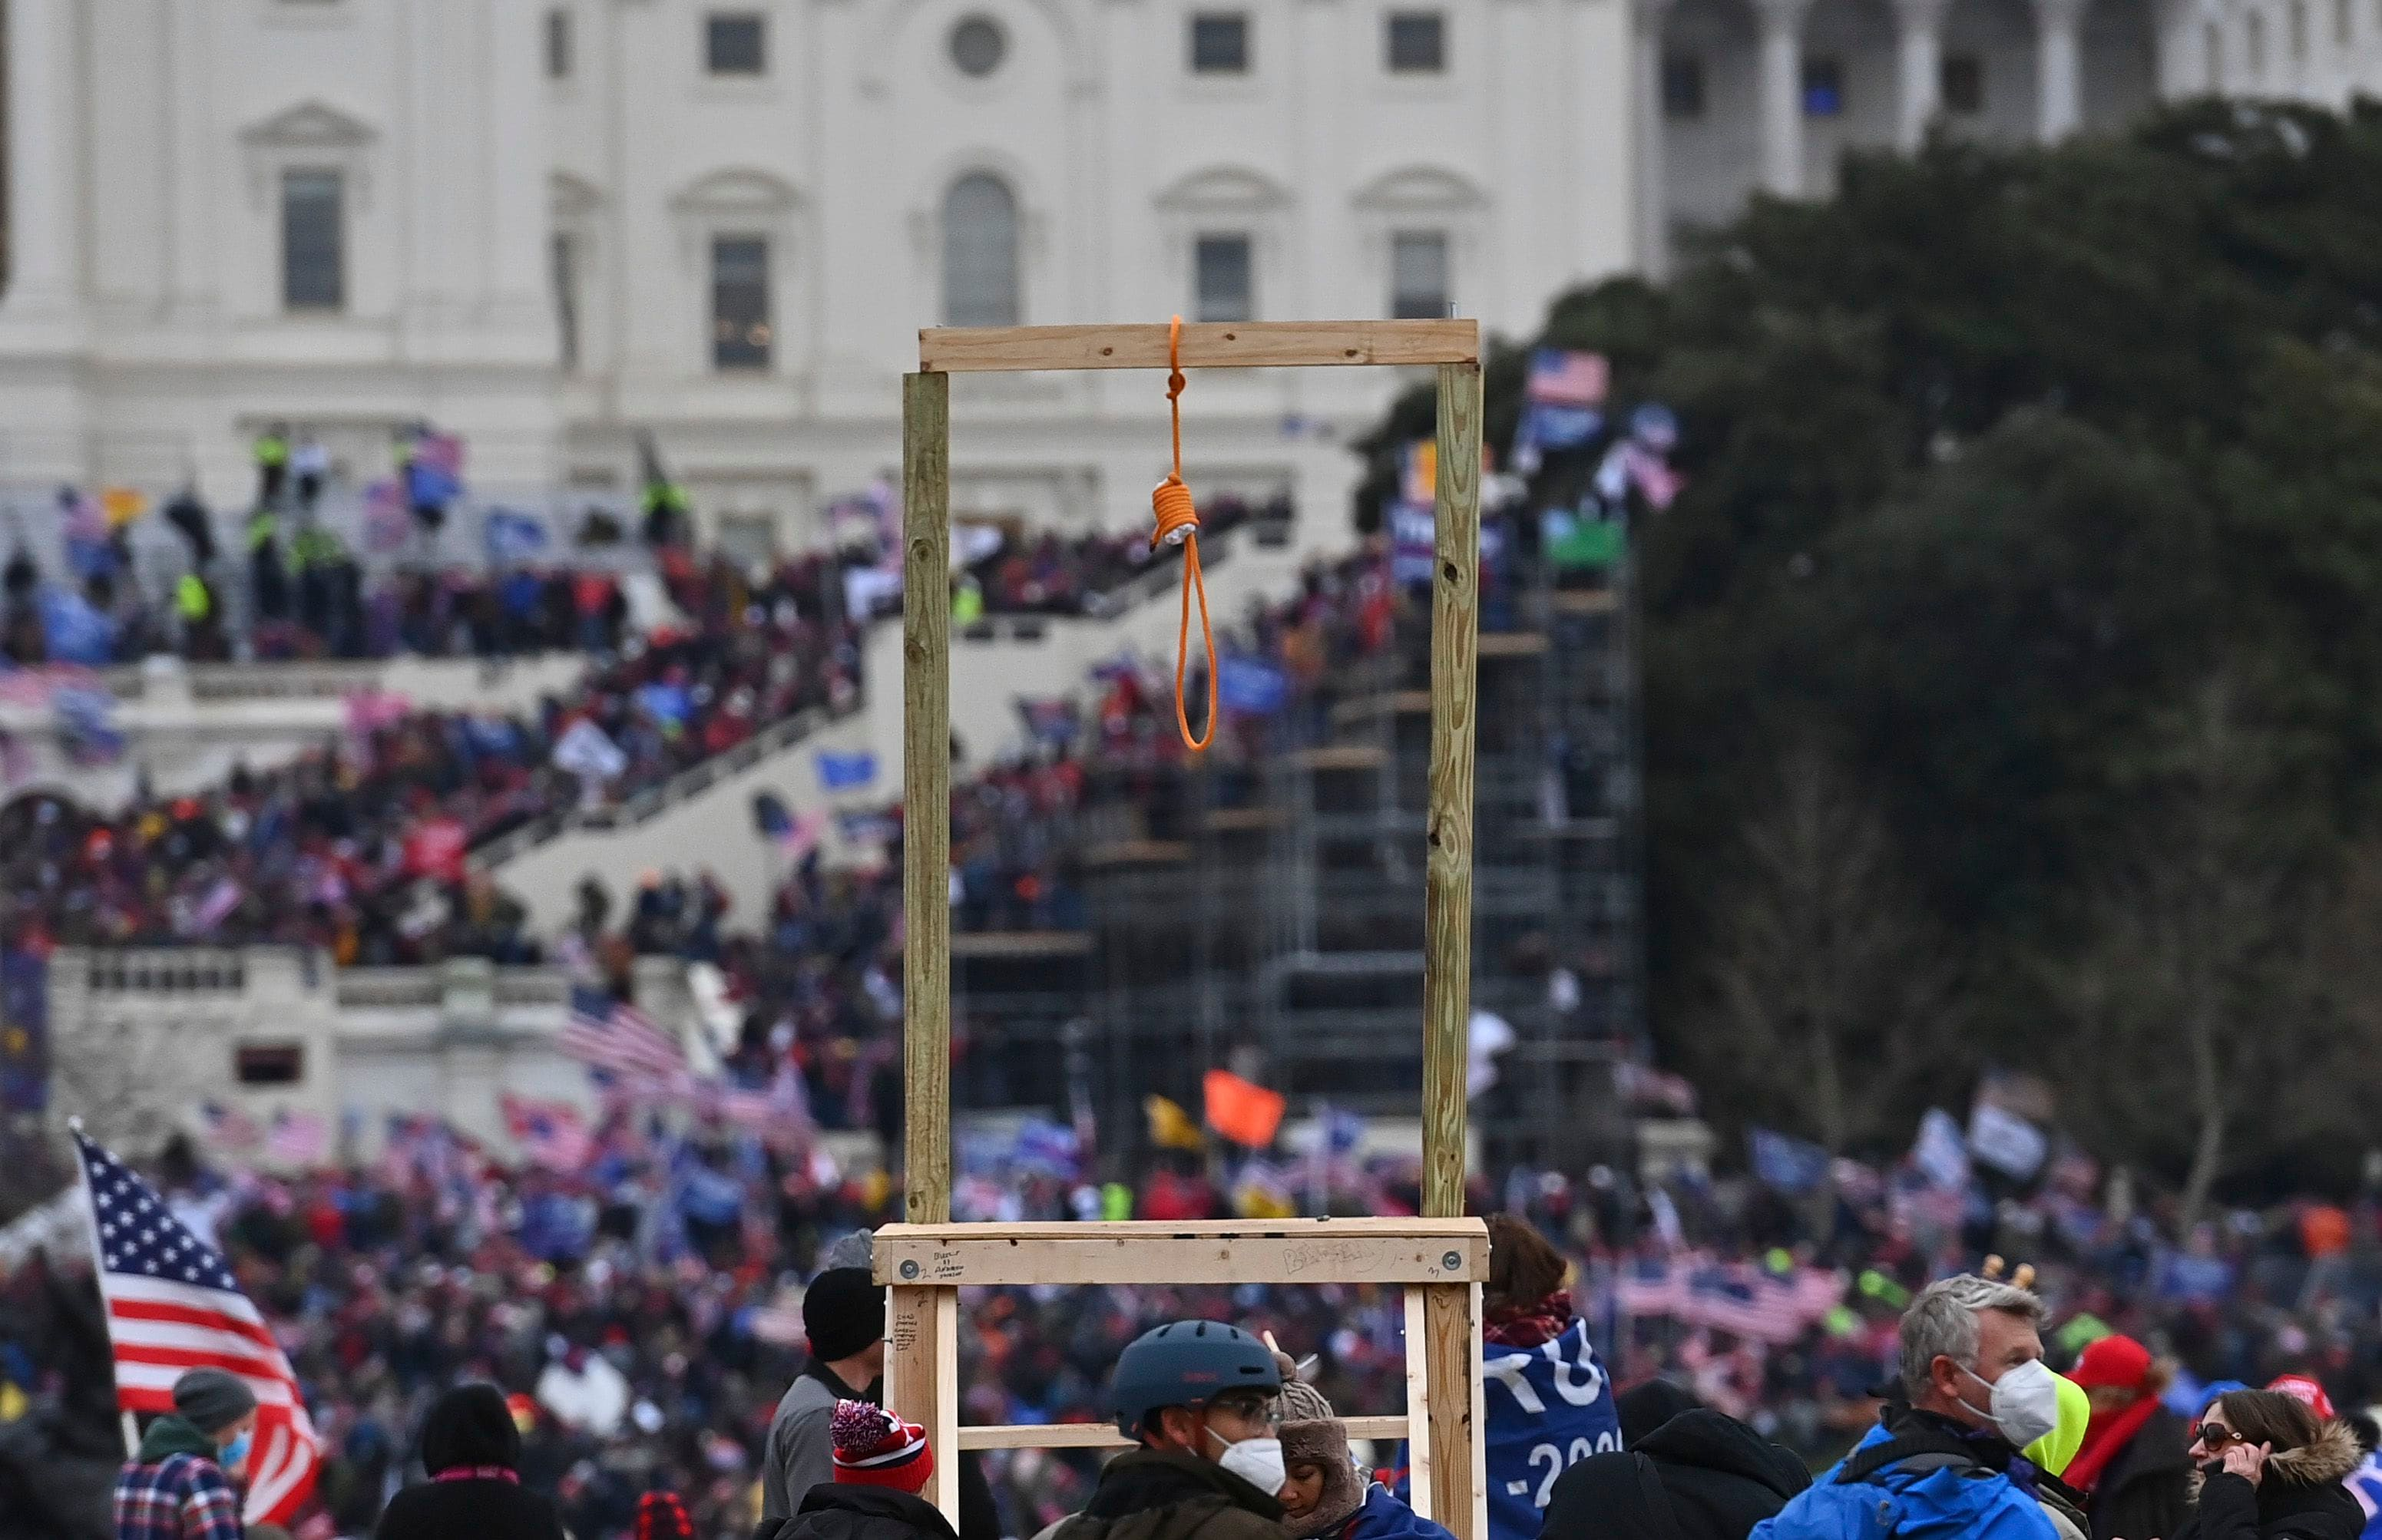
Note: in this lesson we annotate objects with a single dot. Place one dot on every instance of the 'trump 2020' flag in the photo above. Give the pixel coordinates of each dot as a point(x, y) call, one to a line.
point(172, 1306)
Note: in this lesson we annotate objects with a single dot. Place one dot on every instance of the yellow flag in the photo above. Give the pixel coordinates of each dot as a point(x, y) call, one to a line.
point(1171, 1128)
point(122, 505)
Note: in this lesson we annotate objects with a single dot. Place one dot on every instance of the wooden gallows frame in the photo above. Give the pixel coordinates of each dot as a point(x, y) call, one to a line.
point(1440, 1260)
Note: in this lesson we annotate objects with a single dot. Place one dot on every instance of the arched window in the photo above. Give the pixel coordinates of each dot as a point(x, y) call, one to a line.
point(979, 252)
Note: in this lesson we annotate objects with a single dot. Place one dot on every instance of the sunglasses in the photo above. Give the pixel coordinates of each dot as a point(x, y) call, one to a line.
point(2214, 1436)
point(1247, 1410)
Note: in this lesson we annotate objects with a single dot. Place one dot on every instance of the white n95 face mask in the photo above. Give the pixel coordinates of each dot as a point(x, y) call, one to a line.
point(2025, 1402)
point(1257, 1461)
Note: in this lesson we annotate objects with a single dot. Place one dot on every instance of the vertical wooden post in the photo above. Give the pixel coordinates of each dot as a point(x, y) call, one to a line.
point(1451, 1337)
point(923, 1322)
point(927, 798)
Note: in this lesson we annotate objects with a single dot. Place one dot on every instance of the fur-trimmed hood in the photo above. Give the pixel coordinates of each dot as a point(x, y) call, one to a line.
point(2332, 1456)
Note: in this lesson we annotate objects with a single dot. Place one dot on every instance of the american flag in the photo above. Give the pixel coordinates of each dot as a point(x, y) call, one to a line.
point(1561, 377)
point(551, 1134)
point(300, 1138)
point(782, 1109)
point(229, 1127)
point(616, 1036)
point(172, 1306)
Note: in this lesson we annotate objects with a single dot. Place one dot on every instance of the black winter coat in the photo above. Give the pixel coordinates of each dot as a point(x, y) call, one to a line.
point(469, 1428)
point(835, 1511)
point(2145, 1492)
point(2299, 1496)
point(1718, 1479)
point(1162, 1494)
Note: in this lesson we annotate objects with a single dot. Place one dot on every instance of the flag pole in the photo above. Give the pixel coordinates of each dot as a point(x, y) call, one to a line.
point(98, 1264)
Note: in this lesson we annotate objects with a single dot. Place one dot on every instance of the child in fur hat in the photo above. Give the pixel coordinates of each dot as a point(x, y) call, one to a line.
point(1327, 1498)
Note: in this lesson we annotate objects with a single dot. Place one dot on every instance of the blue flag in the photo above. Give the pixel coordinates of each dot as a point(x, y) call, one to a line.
point(1251, 686)
point(1549, 1407)
point(1788, 1164)
point(514, 536)
point(845, 772)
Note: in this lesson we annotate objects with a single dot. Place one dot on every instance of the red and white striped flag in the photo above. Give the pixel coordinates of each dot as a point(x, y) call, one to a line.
point(300, 1138)
point(551, 1134)
point(618, 1037)
point(173, 1306)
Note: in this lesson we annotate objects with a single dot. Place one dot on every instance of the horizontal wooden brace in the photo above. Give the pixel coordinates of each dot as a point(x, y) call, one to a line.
point(1207, 344)
point(1290, 1251)
point(1101, 1436)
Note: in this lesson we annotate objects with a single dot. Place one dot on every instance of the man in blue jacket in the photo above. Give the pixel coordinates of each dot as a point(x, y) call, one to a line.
point(1945, 1462)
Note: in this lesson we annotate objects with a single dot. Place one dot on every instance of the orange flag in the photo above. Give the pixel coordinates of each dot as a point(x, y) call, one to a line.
point(1244, 1113)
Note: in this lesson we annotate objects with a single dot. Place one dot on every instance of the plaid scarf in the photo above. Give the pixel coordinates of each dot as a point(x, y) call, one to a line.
point(1527, 1325)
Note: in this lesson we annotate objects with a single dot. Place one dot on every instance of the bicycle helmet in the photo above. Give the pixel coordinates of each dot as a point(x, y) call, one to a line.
point(1186, 1363)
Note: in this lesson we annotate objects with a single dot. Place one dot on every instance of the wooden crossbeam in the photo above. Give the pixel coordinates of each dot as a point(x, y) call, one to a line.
point(1145, 1252)
point(1101, 1436)
point(1209, 345)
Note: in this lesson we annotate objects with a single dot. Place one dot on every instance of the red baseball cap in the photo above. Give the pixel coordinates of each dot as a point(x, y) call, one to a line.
point(2117, 1363)
point(2306, 1391)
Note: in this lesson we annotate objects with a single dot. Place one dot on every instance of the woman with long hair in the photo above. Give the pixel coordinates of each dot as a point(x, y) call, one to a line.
point(2270, 1469)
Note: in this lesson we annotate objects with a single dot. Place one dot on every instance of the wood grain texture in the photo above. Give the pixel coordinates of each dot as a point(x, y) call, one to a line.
point(1101, 1436)
point(922, 1378)
point(1421, 1456)
point(1452, 1341)
point(1214, 345)
point(1326, 1250)
point(1447, 885)
point(927, 798)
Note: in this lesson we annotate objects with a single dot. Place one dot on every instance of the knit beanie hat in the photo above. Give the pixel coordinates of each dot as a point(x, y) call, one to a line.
point(873, 1448)
point(1325, 1442)
point(661, 1516)
point(843, 1311)
point(213, 1400)
point(1299, 1401)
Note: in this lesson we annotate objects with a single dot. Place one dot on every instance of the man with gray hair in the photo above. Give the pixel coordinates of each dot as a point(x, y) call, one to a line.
point(1944, 1459)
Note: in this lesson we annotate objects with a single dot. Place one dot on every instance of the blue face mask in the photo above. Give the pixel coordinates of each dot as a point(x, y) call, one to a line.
point(237, 1450)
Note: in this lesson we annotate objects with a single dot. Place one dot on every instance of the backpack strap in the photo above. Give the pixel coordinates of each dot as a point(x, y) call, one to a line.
point(1911, 1455)
point(1657, 1500)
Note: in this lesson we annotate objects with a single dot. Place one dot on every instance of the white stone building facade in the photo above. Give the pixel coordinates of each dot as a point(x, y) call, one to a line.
point(1736, 95)
point(553, 226)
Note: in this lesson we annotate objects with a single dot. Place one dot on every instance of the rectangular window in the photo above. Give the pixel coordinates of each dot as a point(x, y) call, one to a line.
point(732, 44)
point(565, 299)
point(1417, 43)
point(313, 241)
point(1418, 276)
point(1219, 43)
point(268, 1063)
point(1963, 85)
point(1683, 86)
point(1824, 88)
point(740, 302)
point(558, 45)
point(1226, 283)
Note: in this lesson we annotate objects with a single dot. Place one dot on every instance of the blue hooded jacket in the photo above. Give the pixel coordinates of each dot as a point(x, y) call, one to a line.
point(1941, 1504)
point(1383, 1517)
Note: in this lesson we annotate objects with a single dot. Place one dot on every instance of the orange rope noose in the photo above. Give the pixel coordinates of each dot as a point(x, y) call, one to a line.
point(1178, 524)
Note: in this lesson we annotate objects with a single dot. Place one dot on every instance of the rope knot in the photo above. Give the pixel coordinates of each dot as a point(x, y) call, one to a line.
point(1178, 516)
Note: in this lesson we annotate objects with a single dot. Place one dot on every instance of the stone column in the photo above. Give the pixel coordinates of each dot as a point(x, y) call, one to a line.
point(45, 136)
point(2057, 67)
point(192, 183)
point(1918, 67)
point(1782, 93)
point(1652, 171)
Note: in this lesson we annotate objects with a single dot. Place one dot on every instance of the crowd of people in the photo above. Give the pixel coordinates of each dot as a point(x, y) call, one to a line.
point(294, 585)
point(359, 847)
point(645, 1314)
